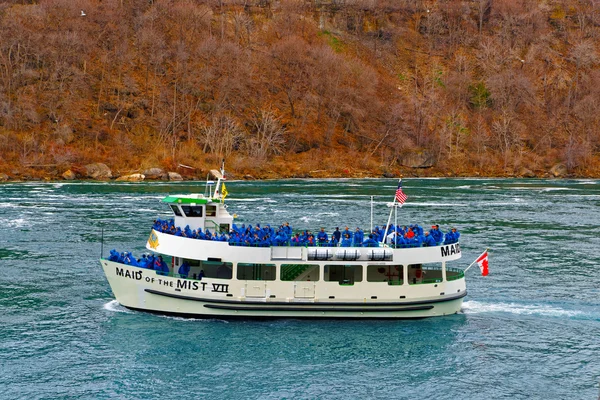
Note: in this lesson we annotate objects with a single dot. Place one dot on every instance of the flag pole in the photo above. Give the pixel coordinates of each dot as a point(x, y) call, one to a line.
point(371, 213)
point(473, 263)
point(389, 219)
point(396, 226)
point(391, 211)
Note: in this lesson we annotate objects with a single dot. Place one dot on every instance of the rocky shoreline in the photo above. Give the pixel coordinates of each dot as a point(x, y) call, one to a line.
point(101, 172)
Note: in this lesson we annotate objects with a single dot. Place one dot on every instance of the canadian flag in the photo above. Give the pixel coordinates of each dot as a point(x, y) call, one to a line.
point(482, 261)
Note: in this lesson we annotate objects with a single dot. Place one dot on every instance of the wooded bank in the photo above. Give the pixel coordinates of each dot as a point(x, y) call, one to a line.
point(301, 88)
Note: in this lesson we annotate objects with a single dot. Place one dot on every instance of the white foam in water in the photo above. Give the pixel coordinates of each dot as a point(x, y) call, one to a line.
point(114, 306)
point(442, 205)
point(193, 319)
point(475, 307)
point(15, 223)
point(556, 189)
point(263, 199)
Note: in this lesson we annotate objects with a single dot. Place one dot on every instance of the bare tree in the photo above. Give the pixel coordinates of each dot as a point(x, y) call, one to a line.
point(267, 135)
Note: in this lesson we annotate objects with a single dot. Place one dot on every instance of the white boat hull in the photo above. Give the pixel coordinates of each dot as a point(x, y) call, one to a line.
point(143, 289)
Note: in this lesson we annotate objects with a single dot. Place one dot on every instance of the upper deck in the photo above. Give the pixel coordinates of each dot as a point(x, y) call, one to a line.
point(183, 247)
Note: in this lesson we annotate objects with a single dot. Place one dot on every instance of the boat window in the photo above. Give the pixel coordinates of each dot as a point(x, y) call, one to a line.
point(210, 269)
point(176, 210)
point(344, 274)
point(211, 211)
point(424, 273)
point(224, 228)
point(392, 274)
point(299, 272)
point(256, 272)
point(453, 273)
point(192, 263)
point(192, 211)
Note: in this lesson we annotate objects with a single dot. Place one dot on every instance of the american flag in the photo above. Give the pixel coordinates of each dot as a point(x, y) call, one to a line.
point(400, 196)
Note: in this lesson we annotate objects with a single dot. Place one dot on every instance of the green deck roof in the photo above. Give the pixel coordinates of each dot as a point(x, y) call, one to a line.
point(183, 200)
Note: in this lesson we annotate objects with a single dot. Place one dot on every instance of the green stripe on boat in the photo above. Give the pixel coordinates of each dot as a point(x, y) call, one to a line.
point(184, 200)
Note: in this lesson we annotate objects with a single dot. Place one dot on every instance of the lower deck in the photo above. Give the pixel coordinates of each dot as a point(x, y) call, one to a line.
point(315, 290)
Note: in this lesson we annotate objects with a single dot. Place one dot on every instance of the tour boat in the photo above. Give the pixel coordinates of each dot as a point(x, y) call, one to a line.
point(229, 280)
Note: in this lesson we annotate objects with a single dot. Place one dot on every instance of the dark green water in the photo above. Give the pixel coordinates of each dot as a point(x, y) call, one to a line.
point(529, 330)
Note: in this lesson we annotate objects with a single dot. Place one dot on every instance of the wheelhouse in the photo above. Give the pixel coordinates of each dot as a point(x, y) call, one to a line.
point(197, 211)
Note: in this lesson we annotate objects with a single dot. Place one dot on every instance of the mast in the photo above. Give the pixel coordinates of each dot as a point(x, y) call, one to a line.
point(220, 175)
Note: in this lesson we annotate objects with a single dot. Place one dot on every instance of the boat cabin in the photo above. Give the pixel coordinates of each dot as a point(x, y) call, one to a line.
point(199, 211)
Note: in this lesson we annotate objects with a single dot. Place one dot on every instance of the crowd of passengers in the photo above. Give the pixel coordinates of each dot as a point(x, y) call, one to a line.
point(150, 261)
point(266, 236)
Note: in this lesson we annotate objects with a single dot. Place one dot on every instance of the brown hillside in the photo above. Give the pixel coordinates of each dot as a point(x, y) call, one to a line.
point(300, 88)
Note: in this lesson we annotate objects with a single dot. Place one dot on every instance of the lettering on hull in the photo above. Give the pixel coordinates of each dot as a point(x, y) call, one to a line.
point(135, 275)
point(450, 249)
point(178, 284)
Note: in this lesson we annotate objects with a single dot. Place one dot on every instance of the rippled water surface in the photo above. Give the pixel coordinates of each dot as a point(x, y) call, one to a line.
point(529, 330)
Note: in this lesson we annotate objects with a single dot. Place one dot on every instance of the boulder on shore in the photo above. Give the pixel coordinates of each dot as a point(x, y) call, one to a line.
point(422, 159)
point(3, 177)
point(69, 175)
point(155, 173)
point(174, 176)
point(559, 170)
point(131, 178)
point(526, 173)
point(98, 171)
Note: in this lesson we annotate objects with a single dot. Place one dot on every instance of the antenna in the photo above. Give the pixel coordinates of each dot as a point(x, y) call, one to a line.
point(206, 193)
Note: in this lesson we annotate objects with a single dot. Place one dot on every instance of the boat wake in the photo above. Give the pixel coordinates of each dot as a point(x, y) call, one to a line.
point(114, 306)
point(476, 307)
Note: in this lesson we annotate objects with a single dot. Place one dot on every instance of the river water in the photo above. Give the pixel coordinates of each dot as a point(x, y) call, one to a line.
point(530, 330)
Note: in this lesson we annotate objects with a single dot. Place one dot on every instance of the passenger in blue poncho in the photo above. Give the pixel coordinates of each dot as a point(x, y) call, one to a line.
point(114, 256)
point(161, 266)
point(429, 241)
point(347, 232)
point(436, 234)
point(346, 241)
point(184, 270)
point(336, 236)
point(371, 242)
point(280, 239)
point(359, 237)
point(456, 234)
point(322, 237)
point(452, 236)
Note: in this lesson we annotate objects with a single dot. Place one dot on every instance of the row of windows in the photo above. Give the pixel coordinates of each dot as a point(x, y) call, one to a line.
point(194, 211)
point(344, 274)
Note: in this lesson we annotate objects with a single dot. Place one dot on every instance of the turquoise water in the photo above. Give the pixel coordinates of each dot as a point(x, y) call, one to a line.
point(530, 330)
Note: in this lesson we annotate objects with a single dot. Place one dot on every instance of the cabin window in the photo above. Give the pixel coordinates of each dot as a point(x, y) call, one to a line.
point(452, 273)
point(392, 274)
point(299, 272)
point(176, 210)
point(224, 228)
point(209, 269)
point(256, 272)
point(211, 211)
point(424, 273)
point(344, 274)
point(192, 211)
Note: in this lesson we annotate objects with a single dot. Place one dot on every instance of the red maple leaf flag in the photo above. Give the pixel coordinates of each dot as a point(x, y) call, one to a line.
point(482, 261)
